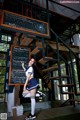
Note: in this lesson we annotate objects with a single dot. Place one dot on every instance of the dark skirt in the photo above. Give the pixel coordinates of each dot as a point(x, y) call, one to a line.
point(33, 83)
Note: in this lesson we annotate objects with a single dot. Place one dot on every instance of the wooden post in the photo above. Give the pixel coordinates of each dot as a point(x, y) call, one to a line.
point(16, 96)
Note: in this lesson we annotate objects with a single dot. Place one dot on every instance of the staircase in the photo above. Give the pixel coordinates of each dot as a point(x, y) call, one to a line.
point(62, 54)
point(54, 55)
point(71, 53)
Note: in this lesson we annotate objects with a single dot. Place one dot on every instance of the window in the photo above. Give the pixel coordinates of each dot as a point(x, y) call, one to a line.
point(6, 38)
point(56, 83)
point(2, 73)
point(4, 45)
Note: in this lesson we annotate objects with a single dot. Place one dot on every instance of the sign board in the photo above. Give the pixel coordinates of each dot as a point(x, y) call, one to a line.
point(16, 73)
point(18, 22)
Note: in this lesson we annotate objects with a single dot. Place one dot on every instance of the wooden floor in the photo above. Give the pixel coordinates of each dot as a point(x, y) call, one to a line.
point(55, 112)
point(52, 113)
point(48, 113)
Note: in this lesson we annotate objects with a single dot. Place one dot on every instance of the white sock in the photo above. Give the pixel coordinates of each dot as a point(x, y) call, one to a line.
point(33, 102)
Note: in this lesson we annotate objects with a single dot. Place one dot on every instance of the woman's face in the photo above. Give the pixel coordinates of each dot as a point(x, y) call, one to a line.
point(31, 62)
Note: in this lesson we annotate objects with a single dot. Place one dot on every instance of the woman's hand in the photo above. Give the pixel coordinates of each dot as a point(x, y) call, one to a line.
point(22, 64)
point(24, 88)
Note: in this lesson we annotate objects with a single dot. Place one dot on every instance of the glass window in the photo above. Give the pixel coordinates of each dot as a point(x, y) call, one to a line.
point(2, 62)
point(56, 83)
point(76, 77)
point(1, 88)
point(2, 79)
point(9, 38)
point(4, 47)
point(2, 98)
point(56, 90)
point(40, 84)
point(6, 38)
point(2, 56)
point(2, 70)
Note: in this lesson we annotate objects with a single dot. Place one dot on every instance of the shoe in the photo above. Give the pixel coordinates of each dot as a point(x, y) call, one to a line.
point(31, 116)
point(41, 94)
point(28, 116)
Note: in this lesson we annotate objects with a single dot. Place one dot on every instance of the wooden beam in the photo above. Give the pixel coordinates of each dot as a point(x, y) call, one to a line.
point(35, 51)
point(25, 41)
point(15, 41)
point(37, 48)
point(39, 44)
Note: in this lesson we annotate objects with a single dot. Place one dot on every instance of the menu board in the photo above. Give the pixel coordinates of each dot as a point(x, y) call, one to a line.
point(19, 22)
point(16, 73)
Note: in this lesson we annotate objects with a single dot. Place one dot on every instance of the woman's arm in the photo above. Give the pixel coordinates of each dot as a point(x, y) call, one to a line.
point(23, 67)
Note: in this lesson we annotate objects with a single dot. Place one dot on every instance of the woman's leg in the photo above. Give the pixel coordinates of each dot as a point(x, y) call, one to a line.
point(26, 94)
point(33, 101)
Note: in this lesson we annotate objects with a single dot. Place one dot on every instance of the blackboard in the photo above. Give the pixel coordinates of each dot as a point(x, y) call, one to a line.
point(27, 24)
point(17, 74)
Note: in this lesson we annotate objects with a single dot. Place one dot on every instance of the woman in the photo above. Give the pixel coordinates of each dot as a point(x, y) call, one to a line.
point(30, 86)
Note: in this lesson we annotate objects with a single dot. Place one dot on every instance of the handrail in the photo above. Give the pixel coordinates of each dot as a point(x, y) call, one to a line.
point(70, 51)
point(65, 44)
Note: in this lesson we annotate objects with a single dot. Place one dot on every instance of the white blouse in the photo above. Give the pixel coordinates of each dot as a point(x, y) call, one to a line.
point(30, 71)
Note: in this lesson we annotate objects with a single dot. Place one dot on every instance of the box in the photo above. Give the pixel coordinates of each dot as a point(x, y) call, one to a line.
point(18, 110)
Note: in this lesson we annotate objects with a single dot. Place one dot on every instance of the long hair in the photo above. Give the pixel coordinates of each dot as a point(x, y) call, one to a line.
point(34, 64)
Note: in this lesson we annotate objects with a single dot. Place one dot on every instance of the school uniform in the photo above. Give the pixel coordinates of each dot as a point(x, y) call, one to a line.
point(32, 83)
